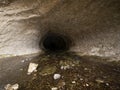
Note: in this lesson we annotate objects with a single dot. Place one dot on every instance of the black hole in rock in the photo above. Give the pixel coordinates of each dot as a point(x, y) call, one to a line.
point(55, 43)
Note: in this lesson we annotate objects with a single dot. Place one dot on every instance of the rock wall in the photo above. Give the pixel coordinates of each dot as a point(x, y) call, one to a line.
point(92, 25)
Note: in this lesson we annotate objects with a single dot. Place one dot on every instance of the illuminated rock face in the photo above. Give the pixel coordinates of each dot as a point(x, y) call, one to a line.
point(92, 26)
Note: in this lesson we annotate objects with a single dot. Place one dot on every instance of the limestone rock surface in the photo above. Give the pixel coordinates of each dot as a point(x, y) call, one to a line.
point(92, 25)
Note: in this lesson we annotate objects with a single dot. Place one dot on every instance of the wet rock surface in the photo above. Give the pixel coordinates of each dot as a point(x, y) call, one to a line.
point(72, 72)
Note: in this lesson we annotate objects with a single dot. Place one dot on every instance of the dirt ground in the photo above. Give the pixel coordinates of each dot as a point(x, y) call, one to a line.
point(76, 73)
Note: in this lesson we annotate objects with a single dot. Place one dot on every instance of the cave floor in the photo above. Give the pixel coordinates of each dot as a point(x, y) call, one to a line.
point(76, 73)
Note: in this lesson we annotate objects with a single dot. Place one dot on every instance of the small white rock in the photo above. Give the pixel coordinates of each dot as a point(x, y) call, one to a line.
point(73, 82)
point(11, 87)
point(65, 67)
point(56, 76)
point(54, 88)
point(81, 79)
point(107, 84)
point(87, 84)
point(99, 81)
point(32, 68)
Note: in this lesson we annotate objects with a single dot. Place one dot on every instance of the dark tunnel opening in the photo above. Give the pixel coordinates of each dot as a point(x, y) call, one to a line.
point(53, 42)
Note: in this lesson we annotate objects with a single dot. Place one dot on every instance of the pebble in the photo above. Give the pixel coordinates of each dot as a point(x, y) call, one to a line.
point(12, 87)
point(54, 88)
point(56, 76)
point(65, 67)
point(81, 79)
point(107, 84)
point(73, 82)
point(87, 84)
point(99, 81)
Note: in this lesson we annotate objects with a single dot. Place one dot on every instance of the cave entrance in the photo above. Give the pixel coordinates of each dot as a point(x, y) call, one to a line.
point(54, 42)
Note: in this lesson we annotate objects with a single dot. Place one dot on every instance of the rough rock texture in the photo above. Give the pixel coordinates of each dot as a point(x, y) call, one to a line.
point(93, 25)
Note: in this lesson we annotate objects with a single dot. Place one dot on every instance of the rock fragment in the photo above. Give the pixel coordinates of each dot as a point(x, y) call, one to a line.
point(73, 82)
point(99, 81)
point(54, 88)
point(12, 87)
point(56, 76)
point(32, 68)
point(65, 67)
